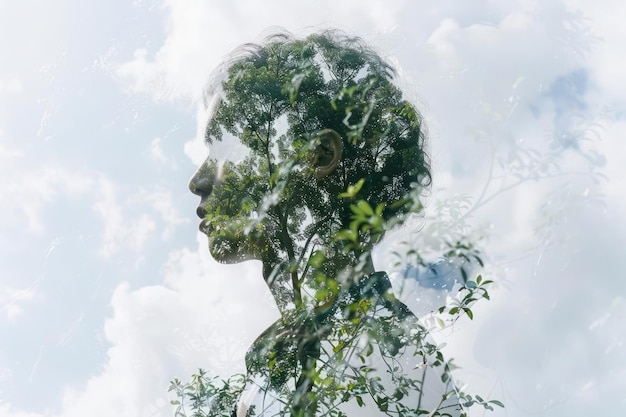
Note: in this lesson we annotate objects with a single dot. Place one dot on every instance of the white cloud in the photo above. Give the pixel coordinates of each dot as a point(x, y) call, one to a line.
point(234, 307)
point(119, 231)
point(9, 153)
point(11, 300)
point(130, 224)
point(604, 19)
point(613, 147)
point(180, 68)
point(26, 188)
point(7, 410)
point(10, 86)
point(162, 203)
point(530, 343)
point(200, 317)
point(156, 151)
point(27, 191)
point(196, 150)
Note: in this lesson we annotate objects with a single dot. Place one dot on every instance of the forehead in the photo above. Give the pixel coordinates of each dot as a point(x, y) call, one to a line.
point(229, 148)
point(233, 144)
point(226, 146)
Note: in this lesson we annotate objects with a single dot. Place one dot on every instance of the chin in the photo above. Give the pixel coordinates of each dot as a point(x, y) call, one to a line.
point(230, 253)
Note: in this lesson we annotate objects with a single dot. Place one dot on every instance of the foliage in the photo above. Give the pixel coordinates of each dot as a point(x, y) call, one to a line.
point(343, 340)
point(345, 373)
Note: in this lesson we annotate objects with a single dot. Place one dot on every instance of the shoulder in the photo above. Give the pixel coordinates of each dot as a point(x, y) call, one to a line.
point(377, 288)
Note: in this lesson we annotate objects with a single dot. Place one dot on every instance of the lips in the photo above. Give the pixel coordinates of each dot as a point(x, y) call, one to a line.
point(203, 226)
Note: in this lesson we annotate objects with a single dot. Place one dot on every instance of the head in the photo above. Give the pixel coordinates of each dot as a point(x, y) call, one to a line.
point(301, 133)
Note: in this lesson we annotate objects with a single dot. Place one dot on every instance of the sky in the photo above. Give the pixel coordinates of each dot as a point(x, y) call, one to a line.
point(107, 290)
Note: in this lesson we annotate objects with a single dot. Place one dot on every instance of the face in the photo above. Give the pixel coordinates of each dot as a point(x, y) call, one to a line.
point(253, 200)
point(231, 186)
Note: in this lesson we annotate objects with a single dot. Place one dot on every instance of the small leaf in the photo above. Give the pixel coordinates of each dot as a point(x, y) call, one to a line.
point(365, 207)
point(316, 259)
point(353, 190)
point(346, 234)
point(496, 402)
point(383, 403)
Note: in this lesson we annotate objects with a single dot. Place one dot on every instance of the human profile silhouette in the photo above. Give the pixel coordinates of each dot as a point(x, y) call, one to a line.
point(314, 155)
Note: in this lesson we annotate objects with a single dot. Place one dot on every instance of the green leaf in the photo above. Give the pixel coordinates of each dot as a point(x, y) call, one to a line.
point(321, 294)
point(469, 313)
point(383, 403)
point(496, 402)
point(317, 258)
point(346, 234)
point(365, 207)
point(353, 190)
point(464, 274)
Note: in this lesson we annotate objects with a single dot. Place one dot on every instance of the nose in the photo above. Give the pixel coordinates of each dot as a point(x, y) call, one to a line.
point(202, 187)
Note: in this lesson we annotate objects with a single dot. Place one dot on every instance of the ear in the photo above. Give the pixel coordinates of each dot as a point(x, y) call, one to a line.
point(328, 153)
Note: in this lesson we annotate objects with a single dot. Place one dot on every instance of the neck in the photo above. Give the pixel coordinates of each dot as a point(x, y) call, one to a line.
point(277, 276)
point(277, 279)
